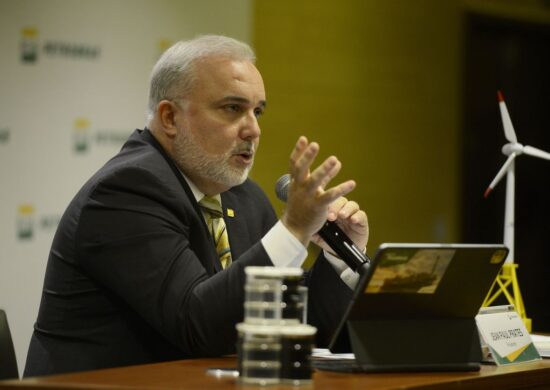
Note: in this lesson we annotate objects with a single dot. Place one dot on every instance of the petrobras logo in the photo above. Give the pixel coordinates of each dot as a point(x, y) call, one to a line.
point(31, 48)
point(81, 130)
point(29, 222)
point(4, 135)
point(29, 45)
point(84, 136)
point(25, 221)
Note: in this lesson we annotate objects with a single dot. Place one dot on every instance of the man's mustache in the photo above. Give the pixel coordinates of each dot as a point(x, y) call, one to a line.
point(245, 147)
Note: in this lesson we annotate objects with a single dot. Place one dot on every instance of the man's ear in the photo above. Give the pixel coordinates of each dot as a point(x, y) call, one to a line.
point(166, 113)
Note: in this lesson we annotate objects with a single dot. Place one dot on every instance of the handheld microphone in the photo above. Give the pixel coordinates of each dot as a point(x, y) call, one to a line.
point(335, 237)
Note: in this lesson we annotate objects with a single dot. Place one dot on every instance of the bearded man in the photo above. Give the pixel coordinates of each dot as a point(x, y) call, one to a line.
point(134, 274)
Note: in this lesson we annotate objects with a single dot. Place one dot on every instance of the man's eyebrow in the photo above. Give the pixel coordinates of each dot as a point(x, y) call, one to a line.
point(242, 100)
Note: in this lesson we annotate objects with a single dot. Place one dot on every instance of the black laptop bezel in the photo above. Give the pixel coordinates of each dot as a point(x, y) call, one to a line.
point(340, 341)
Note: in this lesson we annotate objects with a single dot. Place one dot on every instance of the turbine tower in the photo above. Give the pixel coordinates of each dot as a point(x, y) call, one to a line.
point(507, 277)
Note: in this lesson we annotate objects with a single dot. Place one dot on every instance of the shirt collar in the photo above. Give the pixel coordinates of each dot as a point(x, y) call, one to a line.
point(195, 190)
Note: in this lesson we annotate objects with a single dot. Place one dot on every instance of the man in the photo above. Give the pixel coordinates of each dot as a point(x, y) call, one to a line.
point(134, 275)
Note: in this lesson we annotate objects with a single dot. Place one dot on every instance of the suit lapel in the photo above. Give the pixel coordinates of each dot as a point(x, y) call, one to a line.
point(210, 259)
point(235, 221)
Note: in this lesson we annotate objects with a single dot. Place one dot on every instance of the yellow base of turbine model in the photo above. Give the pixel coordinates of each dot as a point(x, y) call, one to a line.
point(506, 279)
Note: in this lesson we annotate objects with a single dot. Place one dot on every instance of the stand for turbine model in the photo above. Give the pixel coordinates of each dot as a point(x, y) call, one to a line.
point(508, 278)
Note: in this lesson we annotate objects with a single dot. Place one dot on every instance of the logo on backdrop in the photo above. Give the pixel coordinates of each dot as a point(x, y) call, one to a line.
point(29, 223)
point(4, 135)
point(84, 136)
point(29, 45)
point(31, 48)
point(25, 221)
point(81, 134)
point(72, 50)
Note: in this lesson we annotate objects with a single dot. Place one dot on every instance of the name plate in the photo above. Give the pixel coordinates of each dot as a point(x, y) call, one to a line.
point(504, 332)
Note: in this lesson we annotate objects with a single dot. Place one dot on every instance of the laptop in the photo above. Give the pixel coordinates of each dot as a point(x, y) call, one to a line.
point(414, 309)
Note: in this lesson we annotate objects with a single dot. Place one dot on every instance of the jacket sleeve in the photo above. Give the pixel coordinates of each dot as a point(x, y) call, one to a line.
point(139, 237)
point(328, 300)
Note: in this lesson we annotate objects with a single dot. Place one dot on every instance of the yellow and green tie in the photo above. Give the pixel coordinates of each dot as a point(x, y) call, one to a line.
point(213, 215)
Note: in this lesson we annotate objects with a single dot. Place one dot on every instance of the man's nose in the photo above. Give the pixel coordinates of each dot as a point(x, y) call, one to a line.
point(251, 127)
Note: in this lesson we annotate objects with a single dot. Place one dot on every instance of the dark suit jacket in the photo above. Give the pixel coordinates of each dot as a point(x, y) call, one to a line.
point(133, 276)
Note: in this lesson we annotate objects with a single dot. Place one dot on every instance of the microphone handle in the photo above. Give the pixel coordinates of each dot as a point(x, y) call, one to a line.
point(344, 247)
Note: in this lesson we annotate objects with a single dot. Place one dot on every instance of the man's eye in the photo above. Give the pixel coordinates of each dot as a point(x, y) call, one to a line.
point(232, 107)
point(258, 112)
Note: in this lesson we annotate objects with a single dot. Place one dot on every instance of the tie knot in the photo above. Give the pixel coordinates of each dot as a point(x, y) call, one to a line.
point(212, 206)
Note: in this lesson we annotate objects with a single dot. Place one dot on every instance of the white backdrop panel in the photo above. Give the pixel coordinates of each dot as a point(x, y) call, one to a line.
point(87, 84)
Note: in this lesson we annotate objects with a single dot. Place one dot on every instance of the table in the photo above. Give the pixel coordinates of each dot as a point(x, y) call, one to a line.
point(191, 374)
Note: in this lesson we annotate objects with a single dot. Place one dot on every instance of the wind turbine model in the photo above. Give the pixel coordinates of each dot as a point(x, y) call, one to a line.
point(507, 275)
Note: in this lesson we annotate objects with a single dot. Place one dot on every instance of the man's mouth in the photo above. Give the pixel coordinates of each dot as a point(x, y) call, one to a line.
point(245, 154)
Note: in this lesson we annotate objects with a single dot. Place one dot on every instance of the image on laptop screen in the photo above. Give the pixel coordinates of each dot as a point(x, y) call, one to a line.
point(419, 272)
point(419, 285)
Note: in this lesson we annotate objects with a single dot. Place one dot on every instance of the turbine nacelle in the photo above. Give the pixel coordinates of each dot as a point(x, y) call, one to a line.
point(510, 148)
point(518, 149)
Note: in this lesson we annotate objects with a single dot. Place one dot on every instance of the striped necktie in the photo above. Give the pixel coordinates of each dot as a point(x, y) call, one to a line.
point(213, 215)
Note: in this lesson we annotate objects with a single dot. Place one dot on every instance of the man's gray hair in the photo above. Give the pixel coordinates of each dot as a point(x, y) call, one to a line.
point(173, 74)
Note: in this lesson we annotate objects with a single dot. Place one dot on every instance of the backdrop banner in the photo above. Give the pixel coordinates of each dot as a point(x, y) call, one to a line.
point(74, 80)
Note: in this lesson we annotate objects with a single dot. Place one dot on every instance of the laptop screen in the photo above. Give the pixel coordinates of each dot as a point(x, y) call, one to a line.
point(424, 281)
point(410, 271)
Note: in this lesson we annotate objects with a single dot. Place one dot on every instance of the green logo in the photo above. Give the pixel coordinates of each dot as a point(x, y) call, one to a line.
point(80, 135)
point(29, 45)
point(29, 223)
point(85, 137)
point(25, 221)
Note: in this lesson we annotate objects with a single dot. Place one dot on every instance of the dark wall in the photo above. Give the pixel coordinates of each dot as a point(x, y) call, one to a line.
point(515, 58)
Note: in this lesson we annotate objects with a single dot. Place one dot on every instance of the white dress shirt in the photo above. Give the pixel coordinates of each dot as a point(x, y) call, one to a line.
point(284, 249)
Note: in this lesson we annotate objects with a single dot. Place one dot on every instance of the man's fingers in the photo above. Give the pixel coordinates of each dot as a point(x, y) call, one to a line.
point(301, 144)
point(335, 192)
point(335, 207)
point(324, 173)
point(311, 198)
point(346, 210)
point(314, 183)
point(297, 152)
point(302, 165)
point(359, 218)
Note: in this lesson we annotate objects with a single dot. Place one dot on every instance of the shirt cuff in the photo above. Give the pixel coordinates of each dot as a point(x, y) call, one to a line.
point(283, 248)
point(346, 273)
point(338, 264)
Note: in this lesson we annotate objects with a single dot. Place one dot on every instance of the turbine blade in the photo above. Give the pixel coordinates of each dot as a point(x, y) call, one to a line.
point(509, 132)
point(531, 151)
point(500, 174)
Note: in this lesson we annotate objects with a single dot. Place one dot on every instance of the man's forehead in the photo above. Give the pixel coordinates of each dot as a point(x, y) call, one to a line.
point(226, 67)
point(232, 76)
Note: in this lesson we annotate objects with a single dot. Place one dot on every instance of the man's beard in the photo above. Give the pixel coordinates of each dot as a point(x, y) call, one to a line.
point(191, 157)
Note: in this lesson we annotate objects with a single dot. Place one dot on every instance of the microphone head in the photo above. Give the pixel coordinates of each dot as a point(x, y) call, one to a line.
point(281, 187)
